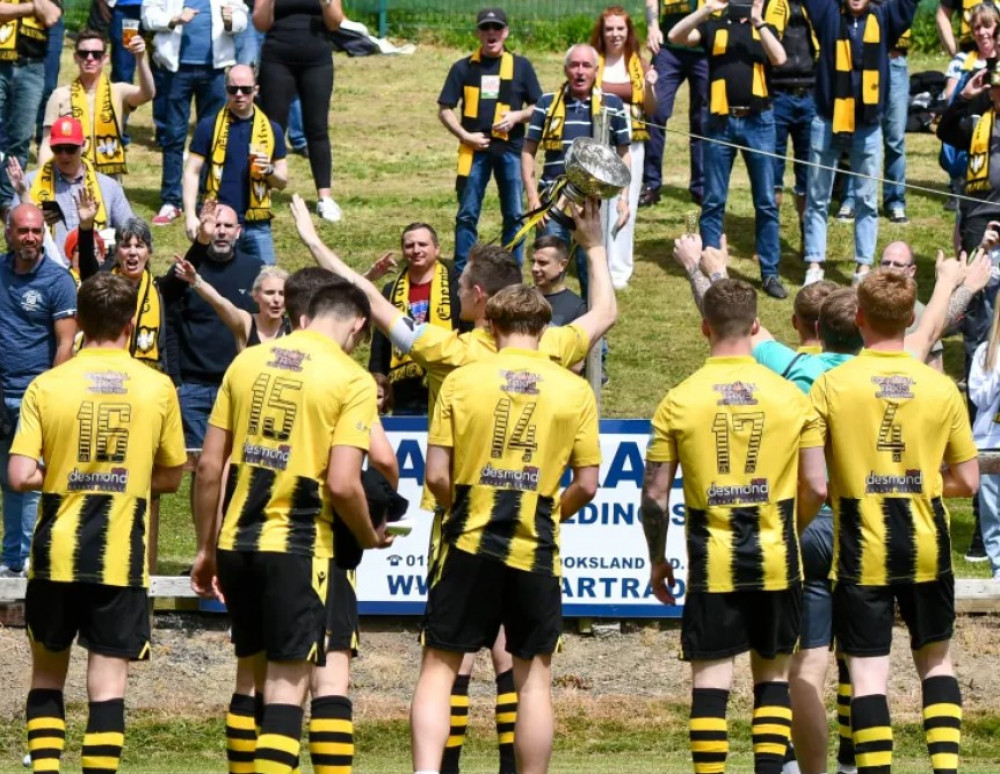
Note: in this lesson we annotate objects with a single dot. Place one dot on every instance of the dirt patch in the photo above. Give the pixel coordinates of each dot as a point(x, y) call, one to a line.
point(621, 675)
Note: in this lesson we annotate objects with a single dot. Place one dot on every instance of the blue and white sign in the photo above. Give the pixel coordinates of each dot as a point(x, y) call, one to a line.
point(604, 556)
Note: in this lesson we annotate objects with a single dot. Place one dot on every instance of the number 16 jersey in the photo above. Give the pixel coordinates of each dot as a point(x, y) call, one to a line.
point(736, 429)
point(286, 403)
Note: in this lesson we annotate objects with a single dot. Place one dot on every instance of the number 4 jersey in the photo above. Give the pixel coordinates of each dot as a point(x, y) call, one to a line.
point(514, 421)
point(287, 403)
point(99, 423)
point(736, 429)
point(890, 421)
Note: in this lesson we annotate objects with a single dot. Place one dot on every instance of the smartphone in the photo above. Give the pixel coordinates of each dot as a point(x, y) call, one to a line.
point(51, 207)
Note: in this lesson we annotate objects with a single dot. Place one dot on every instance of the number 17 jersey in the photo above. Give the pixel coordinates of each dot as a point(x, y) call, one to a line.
point(286, 403)
point(736, 429)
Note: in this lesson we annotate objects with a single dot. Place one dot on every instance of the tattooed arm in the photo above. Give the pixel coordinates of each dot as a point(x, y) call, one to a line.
point(658, 480)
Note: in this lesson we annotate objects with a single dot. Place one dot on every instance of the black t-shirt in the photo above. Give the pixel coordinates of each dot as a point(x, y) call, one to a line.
point(299, 34)
point(735, 65)
point(525, 91)
point(32, 37)
point(566, 306)
point(799, 70)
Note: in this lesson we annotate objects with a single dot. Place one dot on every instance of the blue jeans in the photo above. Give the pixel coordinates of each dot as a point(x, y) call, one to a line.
point(57, 34)
point(865, 149)
point(793, 117)
point(989, 517)
point(556, 229)
point(897, 107)
point(20, 509)
point(255, 240)
point(672, 69)
point(197, 400)
point(753, 131)
point(207, 86)
point(247, 44)
point(296, 132)
point(21, 85)
point(506, 168)
point(122, 60)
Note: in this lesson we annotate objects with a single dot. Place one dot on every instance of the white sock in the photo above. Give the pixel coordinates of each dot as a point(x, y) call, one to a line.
point(426, 771)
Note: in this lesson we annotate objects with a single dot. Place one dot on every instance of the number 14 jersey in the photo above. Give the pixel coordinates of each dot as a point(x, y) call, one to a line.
point(736, 429)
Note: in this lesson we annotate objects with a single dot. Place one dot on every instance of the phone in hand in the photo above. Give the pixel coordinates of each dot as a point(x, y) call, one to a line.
point(52, 211)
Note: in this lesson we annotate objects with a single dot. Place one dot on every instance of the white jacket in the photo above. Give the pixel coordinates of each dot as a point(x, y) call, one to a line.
point(984, 391)
point(156, 16)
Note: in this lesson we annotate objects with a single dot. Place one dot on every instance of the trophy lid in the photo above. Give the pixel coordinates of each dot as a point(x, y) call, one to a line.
point(594, 168)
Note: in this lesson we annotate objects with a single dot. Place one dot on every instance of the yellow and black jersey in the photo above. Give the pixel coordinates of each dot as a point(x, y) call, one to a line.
point(736, 429)
point(99, 422)
point(441, 351)
point(287, 402)
point(514, 421)
point(889, 422)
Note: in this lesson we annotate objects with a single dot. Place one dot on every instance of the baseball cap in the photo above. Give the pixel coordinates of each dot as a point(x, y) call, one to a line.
point(66, 131)
point(491, 16)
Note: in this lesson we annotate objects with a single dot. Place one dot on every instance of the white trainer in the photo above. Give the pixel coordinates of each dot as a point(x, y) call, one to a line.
point(329, 210)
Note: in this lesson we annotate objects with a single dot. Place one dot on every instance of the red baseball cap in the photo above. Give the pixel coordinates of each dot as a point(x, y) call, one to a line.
point(66, 131)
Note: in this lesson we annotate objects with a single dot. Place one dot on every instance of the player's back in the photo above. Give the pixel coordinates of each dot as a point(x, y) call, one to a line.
point(890, 422)
point(100, 422)
point(286, 402)
point(736, 428)
point(514, 420)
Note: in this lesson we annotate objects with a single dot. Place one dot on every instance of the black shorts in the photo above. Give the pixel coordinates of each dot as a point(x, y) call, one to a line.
point(277, 603)
point(111, 620)
point(342, 611)
point(863, 615)
point(720, 625)
point(475, 595)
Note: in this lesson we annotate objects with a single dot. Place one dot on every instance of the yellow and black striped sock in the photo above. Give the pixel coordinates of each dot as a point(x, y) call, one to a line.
point(943, 722)
point(279, 740)
point(241, 734)
point(46, 722)
point(709, 738)
point(772, 726)
point(104, 738)
point(506, 715)
point(331, 735)
point(845, 753)
point(459, 722)
point(872, 732)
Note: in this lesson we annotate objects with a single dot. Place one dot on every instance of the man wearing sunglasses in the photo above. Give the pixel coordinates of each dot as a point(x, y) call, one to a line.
point(237, 157)
point(100, 105)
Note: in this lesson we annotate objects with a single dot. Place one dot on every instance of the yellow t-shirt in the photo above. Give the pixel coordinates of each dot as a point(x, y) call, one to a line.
point(287, 402)
point(736, 429)
point(889, 421)
point(99, 422)
point(514, 421)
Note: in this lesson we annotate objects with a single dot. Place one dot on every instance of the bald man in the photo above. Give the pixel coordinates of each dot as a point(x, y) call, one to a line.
point(237, 157)
point(899, 256)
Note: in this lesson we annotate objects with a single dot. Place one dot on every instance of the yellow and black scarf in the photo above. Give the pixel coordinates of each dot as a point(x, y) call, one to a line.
point(843, 87)
point(977, 175)
point(439, 313)
point(470, 105)
point(718, 96)
point(262, 137)
point(11, 31)
point(144, 344)
point(43, 189)
point(637, 78)
point(555, 117)
point(105, 150)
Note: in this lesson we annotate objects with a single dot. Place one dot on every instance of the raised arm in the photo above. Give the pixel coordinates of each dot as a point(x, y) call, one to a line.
point(236, 319)
point(602, 311)
point(685, 32)
point(773, 49)
point(950, 274)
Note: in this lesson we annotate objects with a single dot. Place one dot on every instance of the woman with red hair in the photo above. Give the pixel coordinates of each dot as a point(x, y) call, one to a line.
point(622, 72)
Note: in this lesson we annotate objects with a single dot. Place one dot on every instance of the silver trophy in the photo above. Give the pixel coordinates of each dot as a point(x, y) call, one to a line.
point(593, 169)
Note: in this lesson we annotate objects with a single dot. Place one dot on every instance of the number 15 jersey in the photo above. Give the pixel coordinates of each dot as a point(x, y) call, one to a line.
point(890, 421)
point(286, 403)
point(736, 429)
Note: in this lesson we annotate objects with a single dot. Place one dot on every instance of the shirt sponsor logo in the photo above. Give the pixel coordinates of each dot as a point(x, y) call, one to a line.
point(31, 301)
point(107, 382)
point(520, 382)
point(757, 491)
point(273, 459)
point(893, 387)
point(287, 359)
point(114, 481)
point(524, 480)
point(736, 394)
point(911, 482)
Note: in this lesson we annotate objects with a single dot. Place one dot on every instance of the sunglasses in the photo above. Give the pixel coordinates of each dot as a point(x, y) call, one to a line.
point(491, 27)
point(90, 54)
point(234, 90)
point(65, 148)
